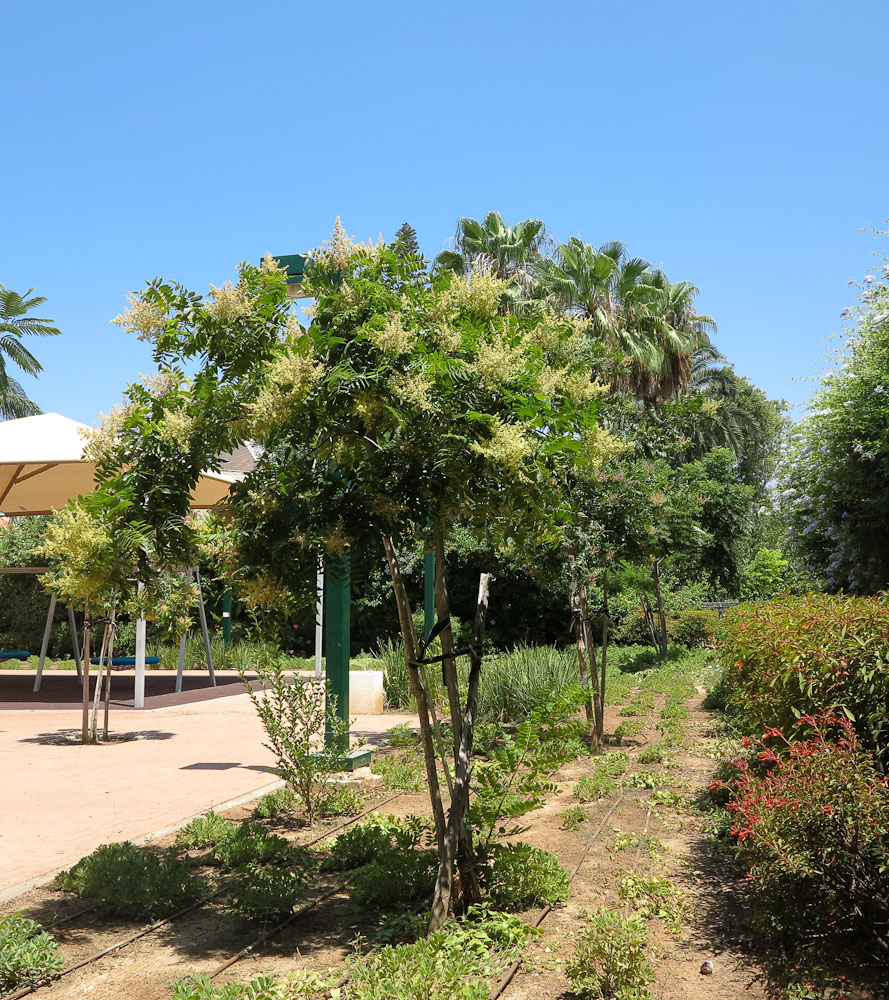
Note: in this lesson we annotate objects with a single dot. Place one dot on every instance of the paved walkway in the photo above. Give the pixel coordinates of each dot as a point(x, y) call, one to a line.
point(60, 800)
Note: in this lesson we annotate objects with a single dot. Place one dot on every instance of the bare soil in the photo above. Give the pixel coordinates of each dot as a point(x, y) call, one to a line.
point(324, 937)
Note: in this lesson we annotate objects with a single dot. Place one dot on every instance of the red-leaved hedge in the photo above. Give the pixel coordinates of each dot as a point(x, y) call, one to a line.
point(811, 821)
point(798, 656)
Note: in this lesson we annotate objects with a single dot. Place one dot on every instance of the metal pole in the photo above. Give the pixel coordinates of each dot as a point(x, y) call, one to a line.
point(139, 687)
point(45, 644)
point(181, 665)
point(227, 618)
point(428, 594)
point(319, 619)
point(75, 641)
point(204, 631)
point(336, 634)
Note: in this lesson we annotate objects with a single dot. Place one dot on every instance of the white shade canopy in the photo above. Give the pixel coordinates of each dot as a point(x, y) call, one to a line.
point(42, 467)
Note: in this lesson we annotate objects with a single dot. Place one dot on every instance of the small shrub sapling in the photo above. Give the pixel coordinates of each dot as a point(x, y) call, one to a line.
point(295, 715)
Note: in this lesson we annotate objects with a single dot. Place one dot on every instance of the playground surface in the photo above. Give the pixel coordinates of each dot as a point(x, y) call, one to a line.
point(59, 800)
point(60, 689)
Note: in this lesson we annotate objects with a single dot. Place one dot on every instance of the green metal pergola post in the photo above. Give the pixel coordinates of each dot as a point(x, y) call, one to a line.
point(337, 572)
point(227, 618)
point(337, 594)
point(428, 594)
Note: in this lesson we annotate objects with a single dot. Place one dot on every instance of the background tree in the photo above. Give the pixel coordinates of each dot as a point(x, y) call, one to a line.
point(14, 324)
point(835, 470)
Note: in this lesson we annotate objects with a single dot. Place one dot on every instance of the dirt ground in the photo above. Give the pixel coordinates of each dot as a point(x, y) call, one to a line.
point(329, 933)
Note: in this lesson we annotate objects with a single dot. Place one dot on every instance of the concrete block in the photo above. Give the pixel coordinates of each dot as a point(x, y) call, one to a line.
point(366, 692)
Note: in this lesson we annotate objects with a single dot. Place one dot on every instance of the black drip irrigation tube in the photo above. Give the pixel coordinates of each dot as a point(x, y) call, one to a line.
point(119, 945)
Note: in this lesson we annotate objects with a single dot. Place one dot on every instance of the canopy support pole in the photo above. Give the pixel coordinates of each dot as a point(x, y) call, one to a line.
point(181, 666)
point(202, 611)
point(44, 646)
point(139, 688)
point(75, 642)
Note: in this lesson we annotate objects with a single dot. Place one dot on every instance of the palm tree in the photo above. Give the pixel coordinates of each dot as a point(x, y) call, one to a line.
point(634, 310)
point(609, 289)
point(683, 337)
point(506, 250)
point(14, 324)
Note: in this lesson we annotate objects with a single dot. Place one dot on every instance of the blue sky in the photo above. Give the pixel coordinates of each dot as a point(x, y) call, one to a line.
point(742, 146)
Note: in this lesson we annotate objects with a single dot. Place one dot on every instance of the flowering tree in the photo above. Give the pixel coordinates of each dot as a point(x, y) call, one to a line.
point(411, 401)
point(835, 473)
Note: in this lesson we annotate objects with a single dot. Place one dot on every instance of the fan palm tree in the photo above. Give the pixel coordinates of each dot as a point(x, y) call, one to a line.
point(14, 324)
point(506, 250)
point(634, 310)
point(609, 289)
point(682, 333)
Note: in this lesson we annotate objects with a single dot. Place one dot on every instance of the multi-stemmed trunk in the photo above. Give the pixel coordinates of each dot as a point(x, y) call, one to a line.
point(451, 834)
point(592, 668)
point(661, 614)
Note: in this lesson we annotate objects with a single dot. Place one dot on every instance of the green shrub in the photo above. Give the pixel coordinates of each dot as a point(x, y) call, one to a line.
point(665, 797)
point(693, 627)
point(647, 779)
point(130, 882)
point(423, 969)
point(276, 804)
point(573, 818)
point(344, 801)
point(633, 709)
point(396, 682)
point(793, 656)
point(248, 843)
point(265, 892)
point(402, 772)
point(652, 896)
point(455, 963)
point(674, 712)
point(627, 730)
point(609, 960)
point(372, 837)
point(203, 832)
point(395, 879)
point(293, 711)
point(657, 754)
point(594, 786)
point(522, 876)
point(811, 822)
point(638, 841)
point(514, 684)
point(613, 763)
point(28, 954)
point(403, 737)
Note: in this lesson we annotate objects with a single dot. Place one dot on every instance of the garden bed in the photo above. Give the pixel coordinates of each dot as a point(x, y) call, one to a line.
point(326, 936)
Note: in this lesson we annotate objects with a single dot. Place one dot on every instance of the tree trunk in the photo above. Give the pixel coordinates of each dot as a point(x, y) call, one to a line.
point(662, 618)
point(466, 860)
point(605, 623)
point(448, 666)
point(649, 621)
point(581, 638)
point(460, 800)
point(444, 884)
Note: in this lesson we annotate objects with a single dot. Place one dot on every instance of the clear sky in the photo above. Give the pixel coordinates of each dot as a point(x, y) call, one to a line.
point(741, 145)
